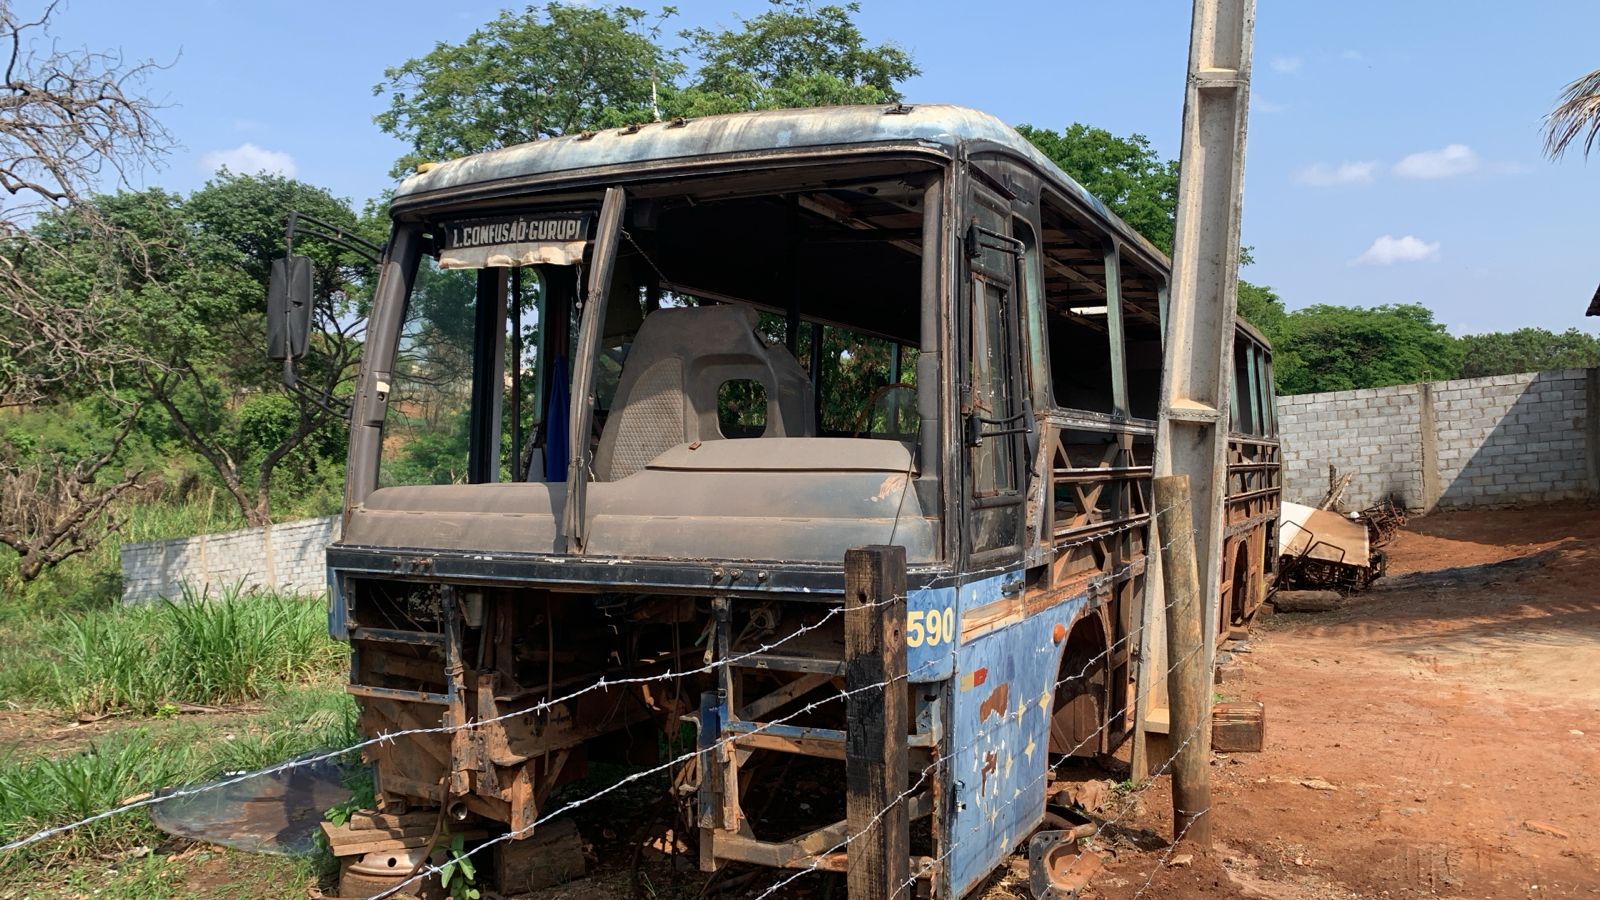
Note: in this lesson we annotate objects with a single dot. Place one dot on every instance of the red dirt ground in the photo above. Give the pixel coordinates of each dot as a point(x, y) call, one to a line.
point(1449, 721)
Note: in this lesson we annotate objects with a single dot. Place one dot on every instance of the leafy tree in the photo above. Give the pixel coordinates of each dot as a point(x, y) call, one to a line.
point(515, 79)
point(1262, 307)
point(1125, 173)
point(791, 56)
point(1527, 350)
point(1336, 348)
point(525, 76)
point(192, 290)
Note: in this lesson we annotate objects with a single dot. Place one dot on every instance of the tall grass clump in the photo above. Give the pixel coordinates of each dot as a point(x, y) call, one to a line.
point(43, 792)
point(212, 651)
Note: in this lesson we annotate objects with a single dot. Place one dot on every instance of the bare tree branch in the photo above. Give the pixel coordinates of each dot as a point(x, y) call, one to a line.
point(52, 509)
point(71, 122)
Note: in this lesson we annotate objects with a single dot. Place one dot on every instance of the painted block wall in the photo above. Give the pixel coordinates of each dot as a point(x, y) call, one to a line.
point(1481, 442)
point(287, 557)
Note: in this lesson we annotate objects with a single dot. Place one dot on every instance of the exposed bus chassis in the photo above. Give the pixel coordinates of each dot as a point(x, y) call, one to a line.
point(759, 676)
point(482, 654)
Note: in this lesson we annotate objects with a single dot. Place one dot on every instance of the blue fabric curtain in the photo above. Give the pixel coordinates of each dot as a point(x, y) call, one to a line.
point(556, 446)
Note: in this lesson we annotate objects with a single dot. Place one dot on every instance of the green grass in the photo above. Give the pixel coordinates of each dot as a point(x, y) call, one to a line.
point(45, 791)
point(142, 663)
point(209, 651)
point(67, 647)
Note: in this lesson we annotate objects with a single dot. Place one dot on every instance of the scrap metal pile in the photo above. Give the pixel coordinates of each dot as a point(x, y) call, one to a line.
point(1322, 549)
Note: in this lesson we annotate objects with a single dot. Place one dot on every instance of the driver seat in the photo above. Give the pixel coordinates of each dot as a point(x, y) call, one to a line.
point(675, 370)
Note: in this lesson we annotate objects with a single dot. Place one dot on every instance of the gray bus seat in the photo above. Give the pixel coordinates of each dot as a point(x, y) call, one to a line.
point(679, 361)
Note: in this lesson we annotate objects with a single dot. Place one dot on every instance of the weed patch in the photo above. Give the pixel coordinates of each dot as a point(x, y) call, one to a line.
point(43, 792)
point(230, 649)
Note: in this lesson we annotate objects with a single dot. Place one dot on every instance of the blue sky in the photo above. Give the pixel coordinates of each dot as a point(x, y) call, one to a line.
point(1393, 152)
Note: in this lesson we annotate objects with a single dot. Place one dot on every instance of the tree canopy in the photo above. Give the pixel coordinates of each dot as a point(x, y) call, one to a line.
point(1126, 173)
point(793, 55)
point(523, 76)
point(515, 79)
point(1336, 348)
point(1527, 350)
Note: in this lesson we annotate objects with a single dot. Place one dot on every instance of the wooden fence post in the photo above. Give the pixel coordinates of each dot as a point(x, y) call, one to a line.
point(1189, 678)
point(875, 721)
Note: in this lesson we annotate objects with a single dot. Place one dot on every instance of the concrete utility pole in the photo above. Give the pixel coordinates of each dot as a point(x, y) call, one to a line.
point(1199, 319)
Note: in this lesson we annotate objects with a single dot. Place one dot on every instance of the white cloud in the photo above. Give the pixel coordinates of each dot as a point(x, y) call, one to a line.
point(1388, 250)
point(1287, 65)
point(1352, 55)
point(1327, 175)
point(248, 159)
point(1268, 107)
point(1446, 162)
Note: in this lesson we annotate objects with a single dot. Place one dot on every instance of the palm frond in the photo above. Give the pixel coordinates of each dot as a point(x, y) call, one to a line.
point(1577, 111)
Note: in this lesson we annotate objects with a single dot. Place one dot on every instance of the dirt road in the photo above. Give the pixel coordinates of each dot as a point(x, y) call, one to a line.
point(1439, 736)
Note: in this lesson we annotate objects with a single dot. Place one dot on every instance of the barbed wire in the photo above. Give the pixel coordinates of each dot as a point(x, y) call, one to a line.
point(979, 736)
point(429, 870)
point(1049, 770)
point(1171, 848)
point(645, 773)
point(956, 578)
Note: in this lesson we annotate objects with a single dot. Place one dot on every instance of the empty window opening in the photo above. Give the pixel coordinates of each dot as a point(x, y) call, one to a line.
point(1077, 331)
point(742, 408)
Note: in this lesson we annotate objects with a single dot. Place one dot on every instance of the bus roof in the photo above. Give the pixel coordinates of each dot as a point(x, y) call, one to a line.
point(944, 128)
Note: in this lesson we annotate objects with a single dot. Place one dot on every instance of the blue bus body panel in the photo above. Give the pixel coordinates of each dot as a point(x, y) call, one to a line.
point(1002, 695)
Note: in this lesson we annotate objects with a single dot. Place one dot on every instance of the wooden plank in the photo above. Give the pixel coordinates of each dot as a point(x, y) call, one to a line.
point(801, 746)
point(376, 843)
point(367, 820)
point(879, 859)
point(1189, 678)
point(758, 708)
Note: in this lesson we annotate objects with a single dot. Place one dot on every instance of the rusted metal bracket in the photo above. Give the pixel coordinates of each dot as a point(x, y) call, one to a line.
point(1057, 868)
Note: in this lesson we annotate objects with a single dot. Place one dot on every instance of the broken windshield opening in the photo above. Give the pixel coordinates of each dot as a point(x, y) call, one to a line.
point(788, 313)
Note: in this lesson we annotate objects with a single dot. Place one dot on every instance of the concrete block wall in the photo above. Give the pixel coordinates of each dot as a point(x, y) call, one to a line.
point(286, 557)
point(1374, 434)
point(1514, 438)
point(1499, 441)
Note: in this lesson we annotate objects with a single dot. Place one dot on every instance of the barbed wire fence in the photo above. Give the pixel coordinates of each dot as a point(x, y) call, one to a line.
point(979, 736)
point(711, 667)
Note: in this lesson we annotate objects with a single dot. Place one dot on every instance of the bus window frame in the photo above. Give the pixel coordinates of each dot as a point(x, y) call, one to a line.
point(978, 277)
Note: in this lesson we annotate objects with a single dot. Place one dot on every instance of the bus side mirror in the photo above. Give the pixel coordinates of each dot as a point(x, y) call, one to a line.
point(289, 308)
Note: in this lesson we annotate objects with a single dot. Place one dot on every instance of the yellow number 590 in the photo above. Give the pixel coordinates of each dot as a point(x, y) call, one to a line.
point(930, 627)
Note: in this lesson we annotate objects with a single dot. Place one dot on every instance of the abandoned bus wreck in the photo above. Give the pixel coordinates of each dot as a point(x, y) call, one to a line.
point(629, 397)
